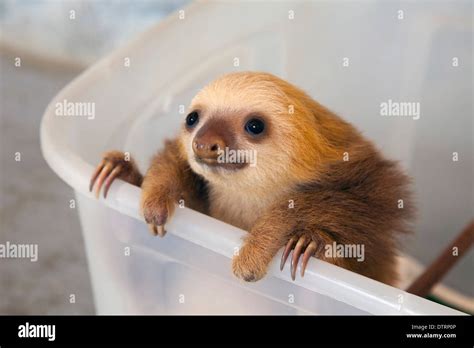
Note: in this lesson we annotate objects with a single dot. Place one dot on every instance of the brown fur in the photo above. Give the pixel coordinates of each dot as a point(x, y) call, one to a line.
point(168, 180)
point(300, 159)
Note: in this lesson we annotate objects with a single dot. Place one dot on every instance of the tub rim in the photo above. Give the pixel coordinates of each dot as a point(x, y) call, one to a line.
point(340, 284)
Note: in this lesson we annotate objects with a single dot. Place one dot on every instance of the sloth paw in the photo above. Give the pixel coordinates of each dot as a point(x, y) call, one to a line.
point(303, 245)
point(114, 165)
point(249, 265)
point(157, 209)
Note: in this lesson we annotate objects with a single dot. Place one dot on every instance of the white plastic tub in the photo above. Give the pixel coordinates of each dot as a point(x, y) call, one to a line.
point(136, 107)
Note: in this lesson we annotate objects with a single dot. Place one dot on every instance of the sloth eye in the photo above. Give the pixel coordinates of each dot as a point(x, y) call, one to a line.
point(254, 126)
point(192, 119)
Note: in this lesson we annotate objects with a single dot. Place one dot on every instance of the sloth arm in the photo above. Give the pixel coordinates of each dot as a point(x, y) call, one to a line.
point(171, 179)
point(168, 180)
point(357, 205)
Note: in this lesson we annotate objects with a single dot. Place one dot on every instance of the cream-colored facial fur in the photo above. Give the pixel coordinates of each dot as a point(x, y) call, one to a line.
point(283, 156)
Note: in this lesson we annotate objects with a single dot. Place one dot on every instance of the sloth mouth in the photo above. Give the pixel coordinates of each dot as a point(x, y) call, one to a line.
point(213, 163)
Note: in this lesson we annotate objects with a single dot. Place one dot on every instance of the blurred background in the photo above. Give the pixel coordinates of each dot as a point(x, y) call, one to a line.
point(57, 40)
point(34, 203)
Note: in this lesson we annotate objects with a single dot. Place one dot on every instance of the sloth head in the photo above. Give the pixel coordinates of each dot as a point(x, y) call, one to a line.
point(255, 129)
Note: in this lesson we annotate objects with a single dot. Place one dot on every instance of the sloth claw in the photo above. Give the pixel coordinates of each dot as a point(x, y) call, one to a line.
point(310, 251)
point(96, 174)
point(115, 172)
point(104, 175)
point(111, 167)
point(287, 251)
point(157, 230)
point(101, 178)
point(304, 246)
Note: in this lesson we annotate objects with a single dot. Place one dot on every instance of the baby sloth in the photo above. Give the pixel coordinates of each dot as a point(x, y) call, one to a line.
point(314, 184)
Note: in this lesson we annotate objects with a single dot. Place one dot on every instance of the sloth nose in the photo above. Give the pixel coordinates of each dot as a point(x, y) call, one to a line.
point(208, 147)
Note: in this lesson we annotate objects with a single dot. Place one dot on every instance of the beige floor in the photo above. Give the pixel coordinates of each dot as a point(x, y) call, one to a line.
point(34, 202)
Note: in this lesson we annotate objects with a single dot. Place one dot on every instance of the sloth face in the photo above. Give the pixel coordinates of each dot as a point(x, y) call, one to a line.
point(241, 127)
point(220, 143)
